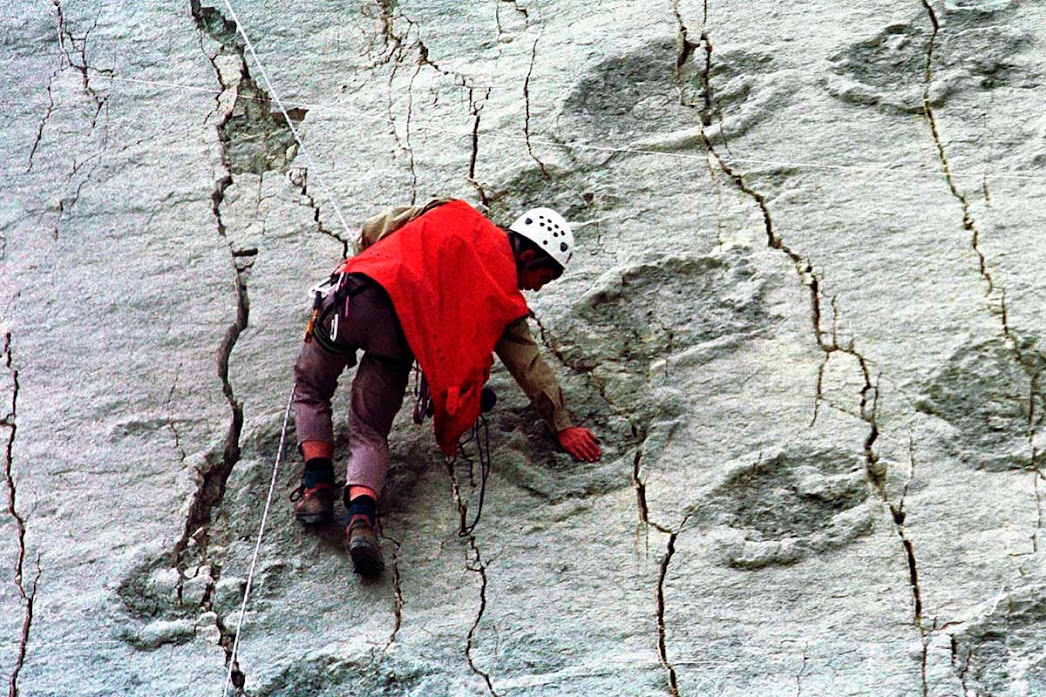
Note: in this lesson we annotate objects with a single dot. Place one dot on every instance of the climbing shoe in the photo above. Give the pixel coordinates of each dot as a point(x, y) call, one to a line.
point(361, 542)
point(314, 505)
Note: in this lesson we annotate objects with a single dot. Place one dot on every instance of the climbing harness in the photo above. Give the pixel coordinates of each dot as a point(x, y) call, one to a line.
point(340, 287)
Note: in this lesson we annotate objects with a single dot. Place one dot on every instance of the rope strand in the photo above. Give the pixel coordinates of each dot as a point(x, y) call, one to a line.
point(290, 124)
point(257, 547)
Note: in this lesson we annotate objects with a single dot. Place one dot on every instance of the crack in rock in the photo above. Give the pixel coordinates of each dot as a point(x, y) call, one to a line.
point(473, 564)
point(44, 119)
point(476, 565)
point(172, 422)
point(398, 44)
point(72, 54)
point(1030, 360)
point(68, 202)
point(925, 662)
point(256, 138)
point(246, 119)
point(520, 9)
point(521, 13)
point(407, 135)
point(662, 632)
point(801, 673)
point(968, 221)
point(898, 513)
point(809, 277)
point(299, 177)
point(662, 608)
point(68, 45)
point(640, 488)
point(27, 592)
point(397, 589)
point(961, 664)
point(526, 102)
point(475, 110)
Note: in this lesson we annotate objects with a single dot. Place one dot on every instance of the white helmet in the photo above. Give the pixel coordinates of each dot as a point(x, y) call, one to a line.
point(549, 231)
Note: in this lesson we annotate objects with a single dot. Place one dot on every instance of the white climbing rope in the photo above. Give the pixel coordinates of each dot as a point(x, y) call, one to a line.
point(257, 547)
point(290, 124)
point(274, 95)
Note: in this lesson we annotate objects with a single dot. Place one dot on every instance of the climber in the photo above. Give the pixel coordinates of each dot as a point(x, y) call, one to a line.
point(444, 290)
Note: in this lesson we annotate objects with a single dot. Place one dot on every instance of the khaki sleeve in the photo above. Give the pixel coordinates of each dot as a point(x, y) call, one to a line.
point(520, 353)
point(382, 225)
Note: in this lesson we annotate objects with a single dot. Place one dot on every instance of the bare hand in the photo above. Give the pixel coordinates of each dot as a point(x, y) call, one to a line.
point(581, 443)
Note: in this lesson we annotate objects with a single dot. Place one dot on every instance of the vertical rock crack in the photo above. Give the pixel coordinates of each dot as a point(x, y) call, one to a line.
point(299, 177)
point(1030, 360)
point(662, 629)
point(474, 564)
point(828, 342)
point(475, 111)
point(802, 671)
point(477, 565)
point(211, 489)
point(526, 102)
point(43, 120)
point(397, 591)
point(26, 591)
point(69, 45)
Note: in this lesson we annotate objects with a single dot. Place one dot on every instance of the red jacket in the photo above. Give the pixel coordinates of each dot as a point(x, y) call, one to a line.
point(451, 276)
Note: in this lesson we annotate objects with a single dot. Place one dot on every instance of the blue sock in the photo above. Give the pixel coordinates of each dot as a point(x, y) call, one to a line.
point(364, 506)
point(318, 470)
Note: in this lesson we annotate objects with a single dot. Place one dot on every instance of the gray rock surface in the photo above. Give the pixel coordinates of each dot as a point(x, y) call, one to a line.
point(806, 320)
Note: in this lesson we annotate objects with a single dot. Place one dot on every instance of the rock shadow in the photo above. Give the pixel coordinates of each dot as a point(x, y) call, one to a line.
point(993, 402)
point(1001, 648)
point(974, 48)
point(646, 313)
point(785, 507)
point(626, 335)
point(626, 96)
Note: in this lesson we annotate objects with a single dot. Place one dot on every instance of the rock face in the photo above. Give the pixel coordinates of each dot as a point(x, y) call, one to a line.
point(805, 318)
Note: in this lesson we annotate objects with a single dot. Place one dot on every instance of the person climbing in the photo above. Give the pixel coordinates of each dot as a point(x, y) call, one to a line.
point(440, 284)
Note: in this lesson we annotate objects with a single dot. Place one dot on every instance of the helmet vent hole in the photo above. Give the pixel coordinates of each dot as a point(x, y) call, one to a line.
point(530, 221)
point(563, 246)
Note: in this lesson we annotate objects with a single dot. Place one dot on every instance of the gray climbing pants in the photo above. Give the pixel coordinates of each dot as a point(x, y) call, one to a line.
point(377, 390)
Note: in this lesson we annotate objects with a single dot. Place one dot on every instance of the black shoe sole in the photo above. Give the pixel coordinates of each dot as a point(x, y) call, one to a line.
point(366, 561)
point(315, 518)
